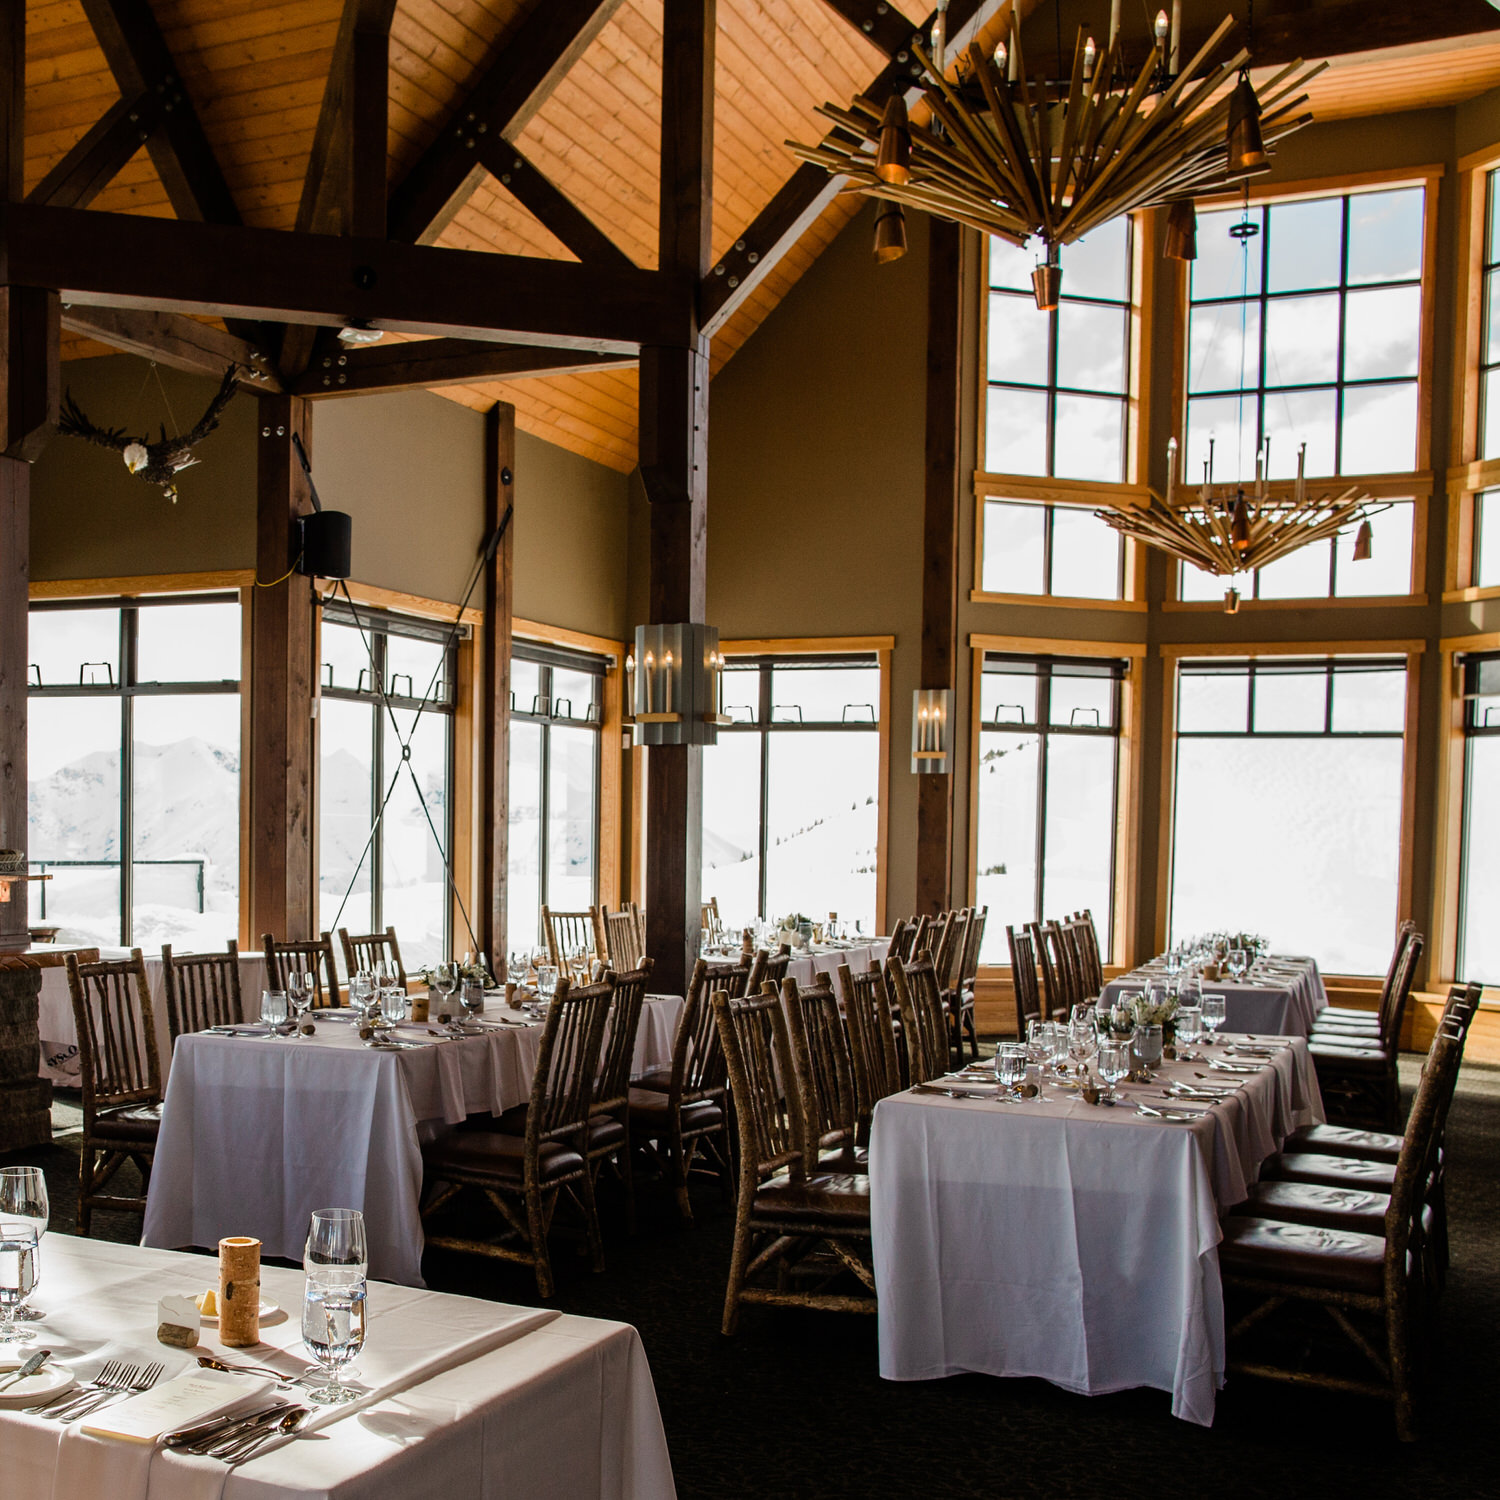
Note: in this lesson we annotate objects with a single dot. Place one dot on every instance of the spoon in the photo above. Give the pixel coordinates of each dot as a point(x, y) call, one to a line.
point(29, 1368)
point(208, 1362)
point(250, 1445)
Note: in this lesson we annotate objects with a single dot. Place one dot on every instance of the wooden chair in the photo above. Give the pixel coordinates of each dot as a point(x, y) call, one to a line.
point(310, 956)
point(370, 949)
point(1057, 999)
point(923, 1021)
point(820, 1052)
point(713, 928)
point(678, 1119)
point(609, 1126)
point(872, 1043)
point(1075, 949)
point(958, 994)
point(805, 1228)
point(1023, 978)
point(202, 989)
point(566, 932)
point(523, 1175)
point(1089, 943)
point(922, 939)
point(950, 947)
point(775, 965)
point(622, 947)
point(1350, 1271)
point(1334, 1022)
point(901, 936)
point(121, 1078)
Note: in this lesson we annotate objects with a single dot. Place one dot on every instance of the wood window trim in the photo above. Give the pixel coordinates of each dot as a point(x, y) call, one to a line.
point(1173, 653)
point(137, 585)
point(1128, 782)
point(882, 646)
point(1420, 483)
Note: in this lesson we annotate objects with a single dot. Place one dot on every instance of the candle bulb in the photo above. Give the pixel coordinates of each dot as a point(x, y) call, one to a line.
point(650, 681)
point(1090, 52)
point(666, 674)
point(1160, 31)
point(630, 680)
point(1171, 468)
point(922, 728)
point(1301, 470)
point(1002, 56)
point(1210, 458)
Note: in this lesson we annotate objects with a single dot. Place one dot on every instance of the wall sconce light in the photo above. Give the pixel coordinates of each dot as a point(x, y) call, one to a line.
point(932, 731)
point(674, 685)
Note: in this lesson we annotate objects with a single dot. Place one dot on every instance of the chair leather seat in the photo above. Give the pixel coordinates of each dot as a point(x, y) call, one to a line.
point(1303, 1254)
point(1344, 1140)
point(823, 1197)
point(1351, 1059)
point(501, 1157)
point(1336, 1029)
point(650, 1113)
point(1317, 1203)
point(1346, 1039)
point(1332, 1171)
point(1349, 1012)
point(128, 1122)
point(605, 1133)
point(659, 1082)
point(845, 1159)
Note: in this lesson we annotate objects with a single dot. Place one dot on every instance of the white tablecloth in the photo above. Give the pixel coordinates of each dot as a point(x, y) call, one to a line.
point(256, 1134)
point(804, 967)
point(537, 1403)
point(1067, 1241)
point(1280, 997)
point(60, 1036)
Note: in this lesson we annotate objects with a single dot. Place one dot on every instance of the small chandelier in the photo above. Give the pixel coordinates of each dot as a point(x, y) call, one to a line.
point(1227, 530)
point(1026, 158)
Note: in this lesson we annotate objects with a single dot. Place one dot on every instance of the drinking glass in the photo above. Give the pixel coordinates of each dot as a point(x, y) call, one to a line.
point(273, 1011)
point(1173, 961)
point(471, 997)
point(299, 993)
point(336, 1260)
point(361, 987)
point(445, 981)
point(1057, 1045)
point(1147, 1045)
point(1239, 961)
point(546, 981)
point(1213, 1015)
point(1083, 1038)
point(1189, 990)
point(515, 968)
point(1010, 1064)
point(1156, 995)
point(23, 1199)
point(394, 1005)
point(1189, 1031)
point(1114, 1061)
point(19, 1273)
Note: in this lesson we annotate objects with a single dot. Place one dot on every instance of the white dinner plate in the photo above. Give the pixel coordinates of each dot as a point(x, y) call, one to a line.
point(51, 1380)
point(270, 1312)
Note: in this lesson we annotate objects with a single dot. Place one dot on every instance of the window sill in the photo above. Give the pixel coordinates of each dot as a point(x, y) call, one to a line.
point(1471, 595)
point(1368, 601)
point(1057, 601)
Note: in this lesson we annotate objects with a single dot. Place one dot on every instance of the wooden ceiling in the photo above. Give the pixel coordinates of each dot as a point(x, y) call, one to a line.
point(257, 74)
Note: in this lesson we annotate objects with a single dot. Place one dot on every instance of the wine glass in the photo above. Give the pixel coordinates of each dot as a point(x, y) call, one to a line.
point(1173, 960)
point(1010, 1064)
point(471, 997)
point(1239, 961)
point(1114, 1062)
point(299, 993)
point(393, 1004)
point(445, 982)
point(273, 1011)
point(19, 1273)
point(1057, 1045)
point(1189, 991)
point(1036, 1040)
point(1213, 1015)
point(23, 1199)
point(515, 968)
point(336, 1260)
point(1189, 1031)
point(1083, 1037)
point(361, 987)
point(546, 981)
point(1147, 1043)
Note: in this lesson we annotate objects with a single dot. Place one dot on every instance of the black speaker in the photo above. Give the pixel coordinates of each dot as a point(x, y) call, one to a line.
point(327, 541)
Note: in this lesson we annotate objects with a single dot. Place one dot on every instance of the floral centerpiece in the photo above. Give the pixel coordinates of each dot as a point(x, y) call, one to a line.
point(1130, 1011)
point(428, 972)
point(796, 930)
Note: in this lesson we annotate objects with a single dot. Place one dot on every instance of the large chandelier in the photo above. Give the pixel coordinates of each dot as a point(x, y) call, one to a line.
point(1026, 158)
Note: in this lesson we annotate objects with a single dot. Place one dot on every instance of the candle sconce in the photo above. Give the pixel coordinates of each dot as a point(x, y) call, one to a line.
point(674, 685)
point(932, 731)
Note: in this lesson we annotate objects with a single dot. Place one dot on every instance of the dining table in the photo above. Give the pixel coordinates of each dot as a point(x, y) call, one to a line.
point(806, 963)
point(258, 1130)
point(1280, 994)
point(1074, 1241)
point(456, 1396)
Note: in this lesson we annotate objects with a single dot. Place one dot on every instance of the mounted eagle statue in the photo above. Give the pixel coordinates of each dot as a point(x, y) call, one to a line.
point(159, 462)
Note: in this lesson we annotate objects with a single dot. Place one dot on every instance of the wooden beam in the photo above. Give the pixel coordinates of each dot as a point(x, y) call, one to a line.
point(13, 98)
point(438, 362)
point(282, 884)
point(171, 339)
point(141, 62)
point(96, 160)
point(552, 208)
point(547, 43)
point(131, 260)
point(494, 708)
point(879, 22)
point(940, 555)
point(809, 190)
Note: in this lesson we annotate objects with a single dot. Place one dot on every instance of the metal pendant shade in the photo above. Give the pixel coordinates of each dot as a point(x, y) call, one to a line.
point(890, 233)
point(1247, 149)
point(1364, 542)
point(893, 159)
point(1182, 231)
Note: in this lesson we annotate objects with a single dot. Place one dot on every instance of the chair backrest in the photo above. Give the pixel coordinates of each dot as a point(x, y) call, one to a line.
point(968, 964)
point(203, 989)
point(924, 1022)
point(776, 963)
point(951, 949)
point(566, 933)
point(1089, 944)
point(872, 1041)
point(708, 916)
point(370, 948)
point(923, 939)
point(1398, 952)
point(304, 956)
point(735, 979)
point(1023, 978)
point(820, 1052)
point(1393, 1010)
point(613, 1087)
point(697, 1057)
point(763, 1079)
point(567, 1064)
point(1076, 957)
point(1058, 979)
point(901, 936)
point(116, 1032)
point(623, 948)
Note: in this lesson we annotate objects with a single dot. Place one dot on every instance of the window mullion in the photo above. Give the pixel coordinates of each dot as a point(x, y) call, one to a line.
point(127, 773)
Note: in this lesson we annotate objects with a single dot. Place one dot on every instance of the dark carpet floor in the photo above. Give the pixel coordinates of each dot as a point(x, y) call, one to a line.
point(793, 1406)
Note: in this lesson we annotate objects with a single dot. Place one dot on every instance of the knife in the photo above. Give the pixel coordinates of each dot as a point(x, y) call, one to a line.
point(220, 1426)
point(29, 1368)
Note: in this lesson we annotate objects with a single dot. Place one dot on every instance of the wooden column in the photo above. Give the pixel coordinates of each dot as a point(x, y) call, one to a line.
point(940, 554)
point(494, 706)
point(283, 884)
point(674, 471)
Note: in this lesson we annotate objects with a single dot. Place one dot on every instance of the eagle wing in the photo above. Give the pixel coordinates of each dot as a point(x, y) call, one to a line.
point(210, 418)
point(72, 422)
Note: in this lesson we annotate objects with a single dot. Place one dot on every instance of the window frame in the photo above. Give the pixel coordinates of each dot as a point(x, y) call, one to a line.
point(1470, 731)
point(127, 688)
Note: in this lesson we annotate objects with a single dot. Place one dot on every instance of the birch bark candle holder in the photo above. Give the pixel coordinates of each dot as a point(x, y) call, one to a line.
point(239, 1291)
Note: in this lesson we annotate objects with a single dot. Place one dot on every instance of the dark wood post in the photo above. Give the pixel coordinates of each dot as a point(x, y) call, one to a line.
point(940, 554)
point(283, 883)
point(494, 705)
point(674, 471)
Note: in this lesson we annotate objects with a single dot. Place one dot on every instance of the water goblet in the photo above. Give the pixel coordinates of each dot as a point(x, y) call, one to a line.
point(336, 1260)
point(1083, 1040)
point(394, 1005)
point(361, 987)
point(1189, 1031)
point(1010, 1064)
point(1189, 990)
point(1213, 1015)
point(273, 1011)
point(445, 982)
point(19, 1273)
point(1057, 1046)
point(1239, 961)
point(471, 998)
point(299, 993)
point(1172, 960)
point(23, 1199)
point(1114, 1062)
point(546, 981)
point(1146, 1043)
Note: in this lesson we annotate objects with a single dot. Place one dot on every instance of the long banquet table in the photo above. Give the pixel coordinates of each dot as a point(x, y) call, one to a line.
point(256, 1133)
point(1069, 1241)
point(476, 1399)
point(1279, 996)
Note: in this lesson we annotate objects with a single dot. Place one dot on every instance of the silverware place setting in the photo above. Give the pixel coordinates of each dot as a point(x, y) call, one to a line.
point(115, 1380)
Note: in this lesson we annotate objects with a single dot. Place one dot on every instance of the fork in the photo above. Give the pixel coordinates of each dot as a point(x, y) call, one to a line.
point(112, 1381)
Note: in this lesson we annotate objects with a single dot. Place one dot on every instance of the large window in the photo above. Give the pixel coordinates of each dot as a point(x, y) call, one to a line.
point(791, 792)
point(1479, 898)
point(1049, 738)
point(1287, 819)
point(556, 711)
point(1033, 547)
point(1486, 569)
point(385, 733)
point(1489, 350)
point(134, 750)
